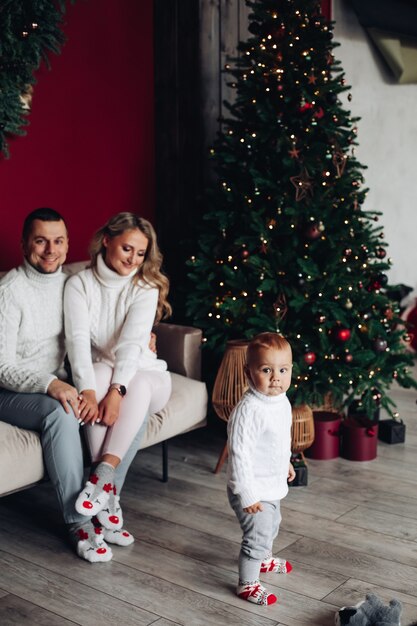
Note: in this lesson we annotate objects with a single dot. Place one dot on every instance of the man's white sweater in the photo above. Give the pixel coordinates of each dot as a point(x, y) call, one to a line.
point(109, 318)
point(259, 445)
point(31, 329)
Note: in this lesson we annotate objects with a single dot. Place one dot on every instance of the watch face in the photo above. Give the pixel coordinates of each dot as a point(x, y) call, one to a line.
point(122, 390)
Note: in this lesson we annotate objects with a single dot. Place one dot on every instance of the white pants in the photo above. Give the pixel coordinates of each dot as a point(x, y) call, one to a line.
point(147, 393)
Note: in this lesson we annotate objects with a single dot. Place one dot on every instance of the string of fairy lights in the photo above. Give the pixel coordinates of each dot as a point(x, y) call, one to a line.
point(291, 248)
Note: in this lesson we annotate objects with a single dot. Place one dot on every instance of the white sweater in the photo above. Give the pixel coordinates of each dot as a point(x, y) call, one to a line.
point(31, 329)
point(259, 444)
point(109, 318)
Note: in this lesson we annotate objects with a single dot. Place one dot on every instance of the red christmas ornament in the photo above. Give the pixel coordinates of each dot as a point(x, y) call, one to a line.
point(309, 358)
point(313, 231)
point(381, 253)
point(349, 358)
point(343, 334)
point(245, 254)
point(319, 113)
point(305, 107)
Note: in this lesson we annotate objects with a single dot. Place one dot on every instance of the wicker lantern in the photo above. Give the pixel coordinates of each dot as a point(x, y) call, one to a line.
point(229, 386)
point(302, 432)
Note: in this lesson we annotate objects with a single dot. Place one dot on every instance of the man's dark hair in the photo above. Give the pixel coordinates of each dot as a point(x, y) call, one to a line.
point(45, 214)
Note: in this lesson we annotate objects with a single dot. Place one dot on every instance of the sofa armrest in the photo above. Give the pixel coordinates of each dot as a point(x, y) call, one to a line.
point(180, 347)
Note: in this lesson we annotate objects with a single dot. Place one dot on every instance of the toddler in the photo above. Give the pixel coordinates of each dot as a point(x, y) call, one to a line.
point(259, 445)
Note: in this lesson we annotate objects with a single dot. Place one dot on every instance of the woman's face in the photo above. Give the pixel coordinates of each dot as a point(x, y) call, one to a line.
point(125, 252)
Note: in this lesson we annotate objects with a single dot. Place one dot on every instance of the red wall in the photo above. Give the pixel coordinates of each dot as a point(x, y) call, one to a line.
point(88, 152)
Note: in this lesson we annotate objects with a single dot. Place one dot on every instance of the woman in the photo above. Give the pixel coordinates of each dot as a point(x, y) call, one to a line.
point(110, 309)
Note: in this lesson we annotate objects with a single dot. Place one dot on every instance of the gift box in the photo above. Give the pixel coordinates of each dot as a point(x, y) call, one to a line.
point(358, 439)
point(391, 431)
point(326, 442)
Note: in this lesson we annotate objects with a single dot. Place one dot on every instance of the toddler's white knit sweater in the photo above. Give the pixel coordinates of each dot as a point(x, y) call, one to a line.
point(109, 318)
point(259, 445)
point(31, 329)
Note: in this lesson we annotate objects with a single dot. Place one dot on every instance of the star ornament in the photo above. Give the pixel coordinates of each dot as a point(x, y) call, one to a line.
point(303, 185)
point(294, 153)
point(339, 161)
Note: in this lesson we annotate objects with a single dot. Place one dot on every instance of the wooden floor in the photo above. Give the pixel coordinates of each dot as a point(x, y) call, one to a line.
point(352, 530)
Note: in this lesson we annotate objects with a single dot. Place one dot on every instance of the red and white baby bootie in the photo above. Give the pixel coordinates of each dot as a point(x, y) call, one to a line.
point(256, 593)
point(273, 564)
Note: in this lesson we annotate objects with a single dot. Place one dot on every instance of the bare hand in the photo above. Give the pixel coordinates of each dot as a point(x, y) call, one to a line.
point(152, 343)
point(109, 407)
point(254, 508)
point(66, 394)
point(88, 406)
point(291, 473)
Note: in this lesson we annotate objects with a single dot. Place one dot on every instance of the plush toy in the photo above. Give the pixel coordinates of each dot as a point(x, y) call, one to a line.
point(370, 612)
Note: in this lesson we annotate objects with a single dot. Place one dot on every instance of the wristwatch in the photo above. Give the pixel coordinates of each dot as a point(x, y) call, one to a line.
point(121, 389)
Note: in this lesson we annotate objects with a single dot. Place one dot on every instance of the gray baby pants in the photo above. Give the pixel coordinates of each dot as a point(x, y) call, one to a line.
point(259, 531)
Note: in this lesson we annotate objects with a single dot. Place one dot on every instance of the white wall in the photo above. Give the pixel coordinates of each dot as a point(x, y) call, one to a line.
point(387, 140)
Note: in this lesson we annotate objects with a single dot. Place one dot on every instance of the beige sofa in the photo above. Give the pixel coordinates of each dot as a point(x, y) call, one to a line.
point(21, 463)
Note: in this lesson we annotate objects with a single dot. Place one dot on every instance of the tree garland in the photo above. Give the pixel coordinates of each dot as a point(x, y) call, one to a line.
point(29, 30)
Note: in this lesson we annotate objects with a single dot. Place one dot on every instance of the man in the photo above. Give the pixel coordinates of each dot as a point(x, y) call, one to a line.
point(34, 392)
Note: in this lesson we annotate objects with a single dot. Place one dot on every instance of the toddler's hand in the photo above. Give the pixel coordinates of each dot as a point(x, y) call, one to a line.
point(291, 473)
point(254, 508)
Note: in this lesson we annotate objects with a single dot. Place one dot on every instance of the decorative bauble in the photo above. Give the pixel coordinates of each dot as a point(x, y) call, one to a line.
point(374, 285)
point(331, 97)
point(389, 314)
point(314, 231)
point(342, 334)
point(245, 254)
point(348, 304)
point(349, 358)
point(309, 358)
point(306, 106)
point(381, 253)
point(363, 328)
point(380, 344)
point(382, 279)
point(261, 294)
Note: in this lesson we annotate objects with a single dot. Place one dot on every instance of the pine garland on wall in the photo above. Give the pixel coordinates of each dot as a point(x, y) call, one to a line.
point(29, 30)
point(286, 244)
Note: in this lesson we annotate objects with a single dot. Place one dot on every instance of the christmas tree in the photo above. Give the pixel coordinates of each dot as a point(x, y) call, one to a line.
point(28, 31)
point(286, 244)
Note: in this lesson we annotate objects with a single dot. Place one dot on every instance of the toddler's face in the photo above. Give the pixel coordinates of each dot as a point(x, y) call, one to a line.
point(270, 370)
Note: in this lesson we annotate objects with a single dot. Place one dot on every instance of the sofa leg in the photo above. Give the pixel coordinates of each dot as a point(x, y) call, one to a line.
point(165, 461)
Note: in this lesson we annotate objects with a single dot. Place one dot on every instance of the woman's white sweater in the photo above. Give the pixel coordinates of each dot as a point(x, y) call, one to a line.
point(259, 445)
point(109, 318)
point(32, 346)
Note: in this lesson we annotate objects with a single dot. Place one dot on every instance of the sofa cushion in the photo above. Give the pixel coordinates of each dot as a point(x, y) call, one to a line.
point(186, 410)
point(21, 462)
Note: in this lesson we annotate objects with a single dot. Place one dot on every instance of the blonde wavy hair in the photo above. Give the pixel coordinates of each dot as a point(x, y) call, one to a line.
point(150, 270)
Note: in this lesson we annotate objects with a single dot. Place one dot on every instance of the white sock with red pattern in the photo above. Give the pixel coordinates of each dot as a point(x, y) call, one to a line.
point(89, 543)
point(96, 491)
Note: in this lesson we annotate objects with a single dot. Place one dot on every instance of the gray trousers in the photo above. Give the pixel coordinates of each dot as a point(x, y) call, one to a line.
point(61, 444)
point(259, 531)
